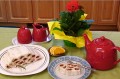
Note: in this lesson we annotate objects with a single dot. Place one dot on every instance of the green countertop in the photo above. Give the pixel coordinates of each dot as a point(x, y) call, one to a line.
point(7, 34)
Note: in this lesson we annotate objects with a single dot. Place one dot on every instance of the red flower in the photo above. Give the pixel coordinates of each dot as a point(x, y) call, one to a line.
point(72, 6)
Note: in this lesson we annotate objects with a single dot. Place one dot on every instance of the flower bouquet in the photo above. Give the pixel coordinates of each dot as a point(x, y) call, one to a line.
point(72, 25)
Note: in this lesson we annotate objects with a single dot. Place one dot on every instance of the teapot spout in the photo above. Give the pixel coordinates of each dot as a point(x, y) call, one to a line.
point(87, 40)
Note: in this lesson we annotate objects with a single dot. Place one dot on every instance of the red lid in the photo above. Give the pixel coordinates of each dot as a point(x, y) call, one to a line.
point(103, 41)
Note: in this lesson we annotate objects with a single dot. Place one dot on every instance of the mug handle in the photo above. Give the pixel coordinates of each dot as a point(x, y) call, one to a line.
point(117, 48)
point(36, 24)
point(47, 31)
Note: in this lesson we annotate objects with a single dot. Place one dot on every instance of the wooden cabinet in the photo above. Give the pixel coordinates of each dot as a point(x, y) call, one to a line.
point(44, 11)
point(29, 11)
point(107, 15)
point(118, 22)
point(19, 11)
point(103, 12)
point(3, 17)
point(108, 12)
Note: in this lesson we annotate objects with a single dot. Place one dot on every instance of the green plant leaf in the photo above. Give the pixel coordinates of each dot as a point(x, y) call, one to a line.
point(80, 32)
point(57, 29)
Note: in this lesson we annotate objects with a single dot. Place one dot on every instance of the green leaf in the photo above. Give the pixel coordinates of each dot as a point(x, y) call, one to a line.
point(80, 32)
point(57, 29)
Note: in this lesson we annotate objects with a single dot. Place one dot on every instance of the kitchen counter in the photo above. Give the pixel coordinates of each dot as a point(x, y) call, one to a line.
point(7, 34)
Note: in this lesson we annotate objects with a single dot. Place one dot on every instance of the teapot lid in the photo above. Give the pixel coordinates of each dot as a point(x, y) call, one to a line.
point(103, 41)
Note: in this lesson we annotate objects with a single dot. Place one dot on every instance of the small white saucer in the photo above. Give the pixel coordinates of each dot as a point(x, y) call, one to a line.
point(15, 41)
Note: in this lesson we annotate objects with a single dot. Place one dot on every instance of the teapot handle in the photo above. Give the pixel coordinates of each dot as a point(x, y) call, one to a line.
point(117, 48)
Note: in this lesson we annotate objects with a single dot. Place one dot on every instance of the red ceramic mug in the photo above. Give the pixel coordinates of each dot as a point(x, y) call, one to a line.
point(40, 33)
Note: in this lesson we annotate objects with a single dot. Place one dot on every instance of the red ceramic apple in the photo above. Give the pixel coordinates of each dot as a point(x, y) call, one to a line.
point(24, 35)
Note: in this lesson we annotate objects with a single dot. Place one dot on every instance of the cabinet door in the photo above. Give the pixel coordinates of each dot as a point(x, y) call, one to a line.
point(89, 6)
point(45, 10)
point(118, 22)
point(2, 11)
point(108, 12)
point(19, 11)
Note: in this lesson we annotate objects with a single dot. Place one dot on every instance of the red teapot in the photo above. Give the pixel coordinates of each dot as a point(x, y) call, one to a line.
point(24, 35)
point(40, 33)
point(101, 53)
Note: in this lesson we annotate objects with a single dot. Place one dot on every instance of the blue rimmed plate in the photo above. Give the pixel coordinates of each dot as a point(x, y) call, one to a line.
point(56, 74)
point(30, 69)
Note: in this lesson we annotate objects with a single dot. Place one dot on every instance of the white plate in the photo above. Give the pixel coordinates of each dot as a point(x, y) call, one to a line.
point(53, 68)
point(30, 69)
point(15, 41)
